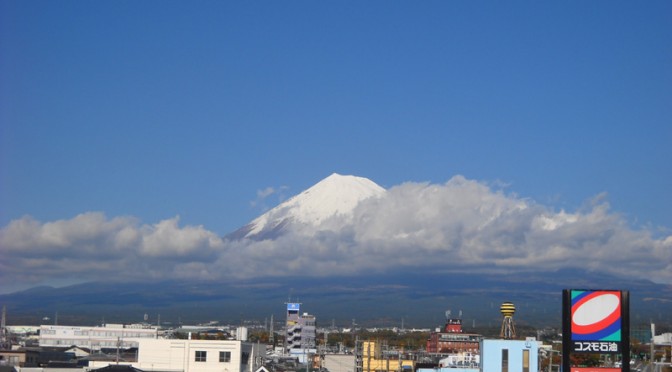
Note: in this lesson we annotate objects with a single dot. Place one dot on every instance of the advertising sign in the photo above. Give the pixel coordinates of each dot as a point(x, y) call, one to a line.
point(596, 322)
point(293, 306)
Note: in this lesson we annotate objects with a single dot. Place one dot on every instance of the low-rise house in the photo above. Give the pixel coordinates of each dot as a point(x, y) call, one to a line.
point(19, 358)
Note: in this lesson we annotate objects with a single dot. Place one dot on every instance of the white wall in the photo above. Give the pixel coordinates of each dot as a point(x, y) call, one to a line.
point(664, 339)
point(94, 337)
point(339, 362)
point(180, 355)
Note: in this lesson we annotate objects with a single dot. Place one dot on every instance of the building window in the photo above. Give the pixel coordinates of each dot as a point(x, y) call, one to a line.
point(201, 356)
point(505, 360)
point(224, 356)
point(526, 361)
point(244, 357)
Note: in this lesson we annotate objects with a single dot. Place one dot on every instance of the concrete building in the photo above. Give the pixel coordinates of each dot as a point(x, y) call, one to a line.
point(300, 328)
point(451, 339)
point(196, 356)
point(663, 339)
point(510, 355)
point(373, 359)
point(300, 333)
point(96, 338)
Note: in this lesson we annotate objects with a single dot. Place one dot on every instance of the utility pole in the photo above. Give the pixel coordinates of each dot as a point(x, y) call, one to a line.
point(653, 337)
point(399, 354)
point(358, 356)
point(4, 343)
point(271, 334)
point(387, 356)
point(323, 351)
point(118, 345)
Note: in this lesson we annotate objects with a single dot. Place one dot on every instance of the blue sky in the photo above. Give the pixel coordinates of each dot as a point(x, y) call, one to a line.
point(157, 109)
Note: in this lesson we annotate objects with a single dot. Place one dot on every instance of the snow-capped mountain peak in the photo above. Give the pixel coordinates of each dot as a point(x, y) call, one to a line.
point(336, 195)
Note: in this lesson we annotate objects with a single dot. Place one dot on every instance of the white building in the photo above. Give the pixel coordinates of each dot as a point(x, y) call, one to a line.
point(96, 338)
point(196, 356)
point(663, 339)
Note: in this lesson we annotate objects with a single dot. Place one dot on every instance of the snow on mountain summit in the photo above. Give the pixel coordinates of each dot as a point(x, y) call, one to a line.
point(336, 195)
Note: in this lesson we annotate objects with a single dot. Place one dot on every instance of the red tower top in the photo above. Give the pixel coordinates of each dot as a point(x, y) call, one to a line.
point(453, 325)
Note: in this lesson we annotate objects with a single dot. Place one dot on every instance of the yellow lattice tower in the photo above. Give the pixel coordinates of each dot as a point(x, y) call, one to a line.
point(508, 329)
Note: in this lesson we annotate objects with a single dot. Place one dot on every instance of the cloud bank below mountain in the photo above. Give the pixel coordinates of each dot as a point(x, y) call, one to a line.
point(462, 225)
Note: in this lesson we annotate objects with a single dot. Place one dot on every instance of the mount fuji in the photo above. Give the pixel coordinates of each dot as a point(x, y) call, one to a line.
point(349, 248)
point(326, 205)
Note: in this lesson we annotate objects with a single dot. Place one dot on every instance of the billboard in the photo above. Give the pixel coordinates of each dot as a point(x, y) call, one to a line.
point(293, 306)
point(595, 321)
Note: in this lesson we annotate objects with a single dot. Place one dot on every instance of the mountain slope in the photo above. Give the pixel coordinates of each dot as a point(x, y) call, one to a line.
point(418, 297)
point(334, 197)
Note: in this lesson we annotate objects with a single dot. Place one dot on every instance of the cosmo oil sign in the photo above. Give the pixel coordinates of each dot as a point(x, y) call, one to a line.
point(596, 321)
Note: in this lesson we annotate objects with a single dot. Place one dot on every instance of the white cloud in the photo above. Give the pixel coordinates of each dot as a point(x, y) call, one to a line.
point(264, 194)
point(460, 225)
point(167, 239)
point(92, 247)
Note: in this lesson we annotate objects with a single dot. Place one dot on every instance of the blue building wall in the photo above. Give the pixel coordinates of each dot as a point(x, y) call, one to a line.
point(491, 355)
